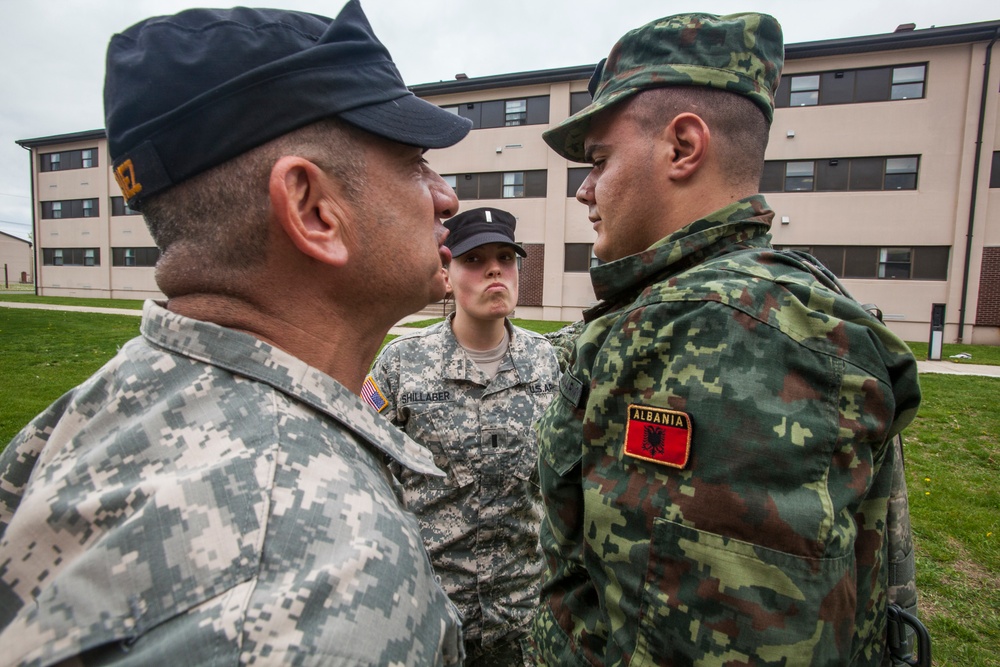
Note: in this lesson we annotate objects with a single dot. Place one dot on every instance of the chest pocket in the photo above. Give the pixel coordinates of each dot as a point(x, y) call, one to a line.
point(562, 425)
point(440, 428)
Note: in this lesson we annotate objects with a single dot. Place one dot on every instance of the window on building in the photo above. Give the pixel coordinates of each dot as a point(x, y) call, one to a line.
point(500, 185)
point(832, 175)
point(908, 82)
point(579, 101)
point(502, 113)
point(873, 84)
point(575, 177)
point(885, 263)
point(579, 257)
point(78, 159)
point(70, 208)
point(516, 112)
point(804, 91)
point(995, 171)
point(894, 263)
point(119, 207)
point(134, 256)
point(900, 173)
point(839, 174)
point(451, 180)
point(71, 256)
point(799, 176)
point(513, 184)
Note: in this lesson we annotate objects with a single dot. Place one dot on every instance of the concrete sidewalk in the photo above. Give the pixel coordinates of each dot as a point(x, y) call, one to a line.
point(944, 366)
point(396, 330)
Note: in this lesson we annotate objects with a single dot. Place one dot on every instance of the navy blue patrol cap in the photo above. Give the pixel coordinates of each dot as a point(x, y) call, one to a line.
point(187, 92)
point(471, 229)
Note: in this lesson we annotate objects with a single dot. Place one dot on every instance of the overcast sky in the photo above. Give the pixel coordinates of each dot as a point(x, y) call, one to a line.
point(52, 53)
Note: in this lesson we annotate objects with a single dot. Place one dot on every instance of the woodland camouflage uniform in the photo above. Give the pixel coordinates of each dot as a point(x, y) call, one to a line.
point(716, 469)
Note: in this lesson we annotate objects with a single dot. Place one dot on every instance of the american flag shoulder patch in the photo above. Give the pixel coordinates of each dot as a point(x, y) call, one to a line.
point(372, 395)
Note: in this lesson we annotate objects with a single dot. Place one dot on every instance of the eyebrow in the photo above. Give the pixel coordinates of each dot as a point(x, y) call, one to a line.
point(588, 153)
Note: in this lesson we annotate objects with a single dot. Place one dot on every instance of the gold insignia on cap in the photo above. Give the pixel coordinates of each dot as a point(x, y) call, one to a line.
point(125, 175)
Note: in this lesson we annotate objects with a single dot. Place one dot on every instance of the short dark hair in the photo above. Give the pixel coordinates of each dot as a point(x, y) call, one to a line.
point(218, 220)
point(737, 124)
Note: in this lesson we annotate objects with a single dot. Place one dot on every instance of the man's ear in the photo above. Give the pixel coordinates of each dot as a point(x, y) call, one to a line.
point(687, 138)
point(308, 207)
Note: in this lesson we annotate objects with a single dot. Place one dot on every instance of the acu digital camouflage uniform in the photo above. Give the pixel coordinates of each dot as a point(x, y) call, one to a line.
point(480, 524)
point(768, 547)
point(206, 498)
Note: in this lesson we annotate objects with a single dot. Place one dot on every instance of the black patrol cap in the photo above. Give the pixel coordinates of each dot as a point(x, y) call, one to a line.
point(184, 93)
point(480, 226)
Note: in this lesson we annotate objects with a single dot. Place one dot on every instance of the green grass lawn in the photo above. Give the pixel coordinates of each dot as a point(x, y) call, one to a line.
point(128, 304)
point(952, 453)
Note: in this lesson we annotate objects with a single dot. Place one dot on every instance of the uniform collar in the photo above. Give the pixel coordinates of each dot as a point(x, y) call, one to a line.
point(747, 220)
point(249, 357)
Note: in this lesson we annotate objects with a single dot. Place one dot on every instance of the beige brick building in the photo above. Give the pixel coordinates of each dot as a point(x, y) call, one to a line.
point(884, 162)
point(16, 260)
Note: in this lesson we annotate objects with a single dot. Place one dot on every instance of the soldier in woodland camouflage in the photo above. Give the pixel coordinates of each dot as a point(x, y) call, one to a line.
point(218, 494)
point(717, 466)
point(471, 390)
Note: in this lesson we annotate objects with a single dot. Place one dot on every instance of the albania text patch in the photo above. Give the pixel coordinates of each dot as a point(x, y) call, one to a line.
point(658, 435)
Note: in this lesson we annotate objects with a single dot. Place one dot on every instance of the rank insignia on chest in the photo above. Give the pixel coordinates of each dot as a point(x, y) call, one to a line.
point(658, 435)
point(372, 395)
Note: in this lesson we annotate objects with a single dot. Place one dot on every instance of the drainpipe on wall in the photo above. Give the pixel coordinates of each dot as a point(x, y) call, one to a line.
point(975, 186)
point(34, 222)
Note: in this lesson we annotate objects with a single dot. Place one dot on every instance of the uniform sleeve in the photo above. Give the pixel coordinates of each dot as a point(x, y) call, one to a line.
point(755, 542)
point(384, 380)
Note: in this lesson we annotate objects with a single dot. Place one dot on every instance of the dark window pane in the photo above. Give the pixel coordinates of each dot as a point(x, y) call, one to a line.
point(907, 91)
point(473, 112)
point(575, 177)
point(860, 262)
point(538, 110)
point(493, 113)
point(832, 257)
point(578, 101)
point(995, 171)
point(536, 183)
point(872, 85)
point(900, 181)
point(930, 263)
point(866, 173)
point(772, 179)
point(831, 175)
point(490, 185)
point(467, 186)
point(782, 94)
point(577, 259)
point(837, 87)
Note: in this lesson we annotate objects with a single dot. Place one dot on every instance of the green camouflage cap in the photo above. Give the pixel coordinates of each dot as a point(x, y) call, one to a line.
point(741, 53)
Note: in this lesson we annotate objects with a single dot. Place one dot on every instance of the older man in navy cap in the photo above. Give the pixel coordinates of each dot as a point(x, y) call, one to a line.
point(217, 493)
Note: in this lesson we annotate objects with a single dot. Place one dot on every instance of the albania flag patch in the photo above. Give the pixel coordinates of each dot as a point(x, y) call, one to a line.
point(658, 435)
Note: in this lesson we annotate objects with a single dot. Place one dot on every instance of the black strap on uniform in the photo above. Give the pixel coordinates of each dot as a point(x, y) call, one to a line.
point(896, 631)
